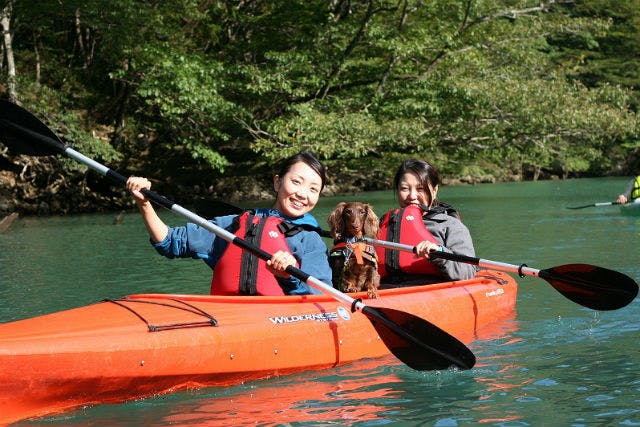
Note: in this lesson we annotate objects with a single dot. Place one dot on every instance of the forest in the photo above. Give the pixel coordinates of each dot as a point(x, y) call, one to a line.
point(204, 97)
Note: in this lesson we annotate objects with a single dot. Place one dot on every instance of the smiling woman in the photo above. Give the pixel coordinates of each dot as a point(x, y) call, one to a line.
point(293, 235)
point(438, 228)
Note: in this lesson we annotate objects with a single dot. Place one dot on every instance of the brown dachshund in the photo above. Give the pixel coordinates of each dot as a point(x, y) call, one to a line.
point(354, 263)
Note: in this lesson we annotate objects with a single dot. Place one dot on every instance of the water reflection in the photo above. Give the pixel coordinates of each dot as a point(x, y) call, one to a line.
point(358, 393)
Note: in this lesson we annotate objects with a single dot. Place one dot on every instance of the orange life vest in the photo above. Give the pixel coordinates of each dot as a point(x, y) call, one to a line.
point(404, 225)
point(240, 272)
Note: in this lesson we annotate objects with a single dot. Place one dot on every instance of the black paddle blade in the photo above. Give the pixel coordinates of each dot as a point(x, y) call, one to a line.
point(591, 286)
point(207, 208)
point(421, 345)
point(24, 133)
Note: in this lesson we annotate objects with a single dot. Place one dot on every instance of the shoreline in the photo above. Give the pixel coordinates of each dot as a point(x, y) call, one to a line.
point(233, 190)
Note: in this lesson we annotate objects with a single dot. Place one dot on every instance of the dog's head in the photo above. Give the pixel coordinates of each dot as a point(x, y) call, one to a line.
point(352, 219)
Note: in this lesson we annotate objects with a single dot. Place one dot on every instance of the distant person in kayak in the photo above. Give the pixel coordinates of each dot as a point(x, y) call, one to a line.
point(632, 193)
point(426, 223)
point(287, 230)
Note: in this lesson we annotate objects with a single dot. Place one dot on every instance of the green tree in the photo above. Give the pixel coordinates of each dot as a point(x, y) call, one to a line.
point(194, 91)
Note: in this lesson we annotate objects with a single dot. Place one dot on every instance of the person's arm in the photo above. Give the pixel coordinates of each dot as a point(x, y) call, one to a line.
point(157, 229)
point(624, 197)
point(193, 241)
point(456, 238)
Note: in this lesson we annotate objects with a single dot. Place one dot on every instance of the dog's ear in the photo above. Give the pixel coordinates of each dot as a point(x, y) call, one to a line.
point(335, 221)
point(371, 223)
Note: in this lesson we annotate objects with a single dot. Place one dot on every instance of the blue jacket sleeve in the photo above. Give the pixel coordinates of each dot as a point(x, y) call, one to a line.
point(193, 241)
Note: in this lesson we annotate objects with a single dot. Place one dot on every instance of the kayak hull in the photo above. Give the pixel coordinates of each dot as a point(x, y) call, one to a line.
point(143, 345)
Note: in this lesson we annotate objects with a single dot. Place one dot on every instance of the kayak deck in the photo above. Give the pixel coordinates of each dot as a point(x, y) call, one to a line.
point(149, 344)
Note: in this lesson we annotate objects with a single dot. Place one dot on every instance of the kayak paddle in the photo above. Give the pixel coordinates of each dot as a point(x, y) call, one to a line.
point(416, 342)
point(588, 285)
point(594, 204)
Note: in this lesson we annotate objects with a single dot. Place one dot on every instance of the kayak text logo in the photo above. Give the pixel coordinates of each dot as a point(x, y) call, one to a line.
point(317, 317)
point(494, 293)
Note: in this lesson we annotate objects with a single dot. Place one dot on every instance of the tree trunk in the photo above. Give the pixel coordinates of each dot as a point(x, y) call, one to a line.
point(122, 97)
point(36, 51)
point(5, 20)
point(79, 39)
point(536, 173)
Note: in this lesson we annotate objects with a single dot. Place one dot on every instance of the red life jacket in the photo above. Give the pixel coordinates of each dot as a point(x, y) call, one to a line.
point(404, 225)
point(239, 272)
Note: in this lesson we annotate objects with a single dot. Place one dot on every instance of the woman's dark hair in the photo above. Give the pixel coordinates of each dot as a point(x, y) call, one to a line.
point(426, 173)
point(307, 158)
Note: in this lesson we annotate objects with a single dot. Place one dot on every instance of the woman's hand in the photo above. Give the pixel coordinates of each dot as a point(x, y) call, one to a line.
point(279, 263)
point(622, 199)
point(423, 248)
point(137, 183)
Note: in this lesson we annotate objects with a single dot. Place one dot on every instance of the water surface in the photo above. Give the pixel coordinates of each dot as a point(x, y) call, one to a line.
point(554, 363)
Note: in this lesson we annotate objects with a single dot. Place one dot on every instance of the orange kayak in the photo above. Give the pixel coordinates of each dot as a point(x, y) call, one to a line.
point(143, 345)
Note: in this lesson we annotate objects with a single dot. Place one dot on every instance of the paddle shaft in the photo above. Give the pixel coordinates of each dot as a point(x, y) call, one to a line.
point(595, 204)
point(522, 270)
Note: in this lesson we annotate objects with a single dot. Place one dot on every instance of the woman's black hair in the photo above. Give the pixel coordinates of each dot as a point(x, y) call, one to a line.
point(425, 171)
point(307, 158)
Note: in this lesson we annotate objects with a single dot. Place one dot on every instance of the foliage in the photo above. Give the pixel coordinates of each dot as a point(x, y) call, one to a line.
point(179, 97)
point(194, 89)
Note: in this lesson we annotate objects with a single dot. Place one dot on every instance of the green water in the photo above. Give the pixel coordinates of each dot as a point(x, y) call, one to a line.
point(554, 364)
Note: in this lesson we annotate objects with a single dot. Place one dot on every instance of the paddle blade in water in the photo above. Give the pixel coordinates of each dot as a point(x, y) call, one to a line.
point(24, 133)
point(421, 345)
point(591, 286)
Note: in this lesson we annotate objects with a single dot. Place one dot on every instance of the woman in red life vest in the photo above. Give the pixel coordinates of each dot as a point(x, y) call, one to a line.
point(426, 223)
point(287, 230)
